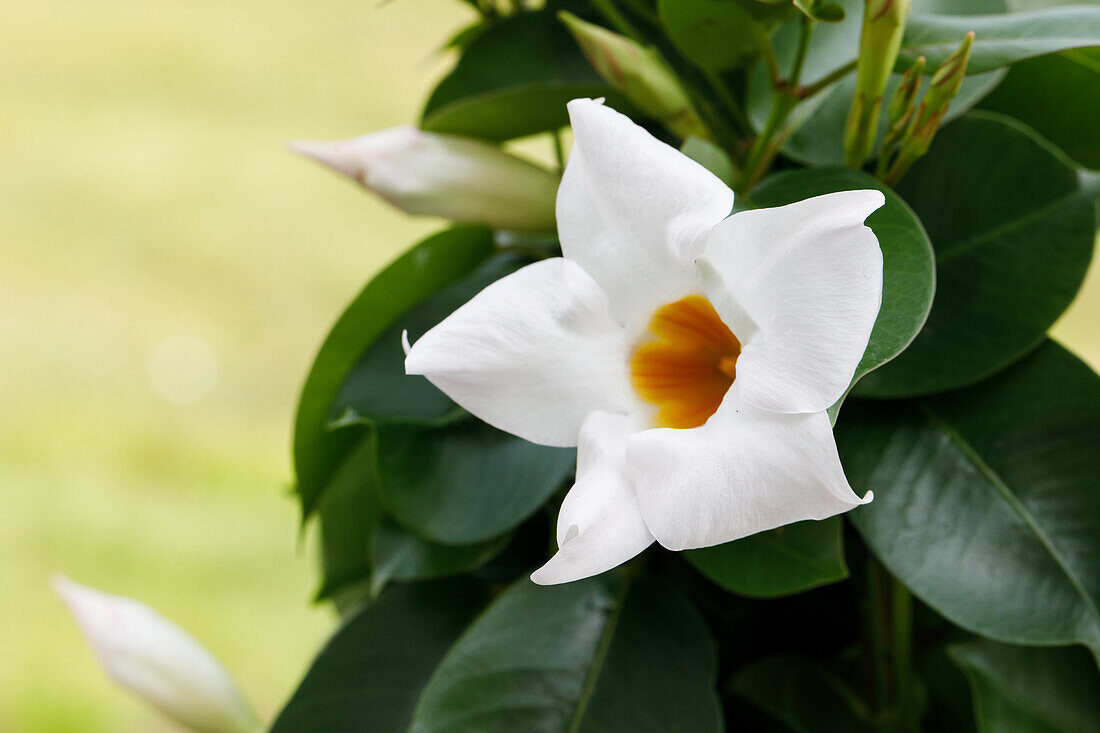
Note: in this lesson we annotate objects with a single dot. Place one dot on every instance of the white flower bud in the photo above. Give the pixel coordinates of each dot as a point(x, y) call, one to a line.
point(158, 661)
point(450, 176)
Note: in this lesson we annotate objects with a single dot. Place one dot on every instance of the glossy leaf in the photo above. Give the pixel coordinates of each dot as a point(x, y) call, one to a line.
point(465, 482)
point(514, 80)
point(1059, 97)
point(428, 268)
point(1020, 689)
point(778, 562)
point(713, 34)
point(594, 656)
point(1000, 40)
point(371, 673)
point(957, 7)
point(362, 550)
point(908, 281)
point(985, 498)
point(803, 695)
point(399, 555)
point(1013, 231)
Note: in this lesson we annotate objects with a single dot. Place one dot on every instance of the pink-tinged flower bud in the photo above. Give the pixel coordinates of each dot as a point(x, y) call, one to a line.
point(158, 661)
point(450, 176)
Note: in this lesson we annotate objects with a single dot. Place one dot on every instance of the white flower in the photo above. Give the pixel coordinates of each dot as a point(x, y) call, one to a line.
point(158, 661)
point(689, 354)
point(454, 177)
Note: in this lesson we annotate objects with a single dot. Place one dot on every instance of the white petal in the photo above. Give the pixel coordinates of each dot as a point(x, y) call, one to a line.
point(599, 526)
point(745, 471)
point(634, 211)
point(531, 354)
point(158, 661)
point(800, 286)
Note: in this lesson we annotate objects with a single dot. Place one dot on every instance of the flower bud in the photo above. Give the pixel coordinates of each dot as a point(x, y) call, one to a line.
point(906, 92)
point(883, 27)
point(639, 74)
point(941, 90)
point(158, 661)
point(450, 176)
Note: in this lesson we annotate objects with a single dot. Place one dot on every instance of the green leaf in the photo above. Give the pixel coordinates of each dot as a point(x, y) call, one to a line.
point(778, 562)
point(1013, 232)
point(428, 268)
point(1031, 690)
point(465, 482)
point(713, 34)
point(362, 550)
point(1000, 40)
point(803, 695)
point(985, 499)
point(371, 673)
point(595, 656)
point(1056, 96)
point(711, 157)
point(907, 278)
point(514, 80)
point(397, 554)
point(958, 7)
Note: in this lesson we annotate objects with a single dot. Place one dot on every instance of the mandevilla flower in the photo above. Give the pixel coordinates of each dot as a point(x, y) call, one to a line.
point(454, 177)
point(158, 661)
point(689, 354)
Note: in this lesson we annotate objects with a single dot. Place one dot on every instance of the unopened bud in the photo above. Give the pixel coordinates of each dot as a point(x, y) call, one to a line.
point(639, 74)
point(906, 92)
point(941, 90)
point(158, 661)
point(883, 27)
point(454, 177)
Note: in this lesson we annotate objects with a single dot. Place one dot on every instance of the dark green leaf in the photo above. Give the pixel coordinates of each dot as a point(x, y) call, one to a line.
point(428, 268)
point(514, 80)
point(594, 656)
point(1013, 233)
point(465, 482)
point(808, 698)
point(985, 498)
point(907, 278)
point(362, 550)
point(778, 562)
point(371, 673)
point(1000, 40)
point(713, 34)
point(821, 11)
point(1059, 97)
point(397, 554)
point(1031, 690)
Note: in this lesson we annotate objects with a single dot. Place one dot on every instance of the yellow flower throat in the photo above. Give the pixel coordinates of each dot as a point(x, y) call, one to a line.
point(687, 365)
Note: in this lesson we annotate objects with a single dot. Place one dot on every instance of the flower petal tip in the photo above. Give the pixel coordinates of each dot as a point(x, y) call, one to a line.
point(405, 345)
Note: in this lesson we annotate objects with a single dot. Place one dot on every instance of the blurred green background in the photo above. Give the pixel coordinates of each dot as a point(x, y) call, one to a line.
point(167, 273)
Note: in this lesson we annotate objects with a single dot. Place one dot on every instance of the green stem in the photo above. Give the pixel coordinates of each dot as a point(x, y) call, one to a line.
point(643, 11)
point(766, 145)
point(767, 51)
point(834, 76)
point(902, 654)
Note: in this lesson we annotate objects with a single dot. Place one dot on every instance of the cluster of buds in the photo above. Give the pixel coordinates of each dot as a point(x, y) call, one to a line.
point(912, 129)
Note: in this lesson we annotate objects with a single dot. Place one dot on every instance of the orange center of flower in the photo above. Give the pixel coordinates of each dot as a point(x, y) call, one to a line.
point(688, 364)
